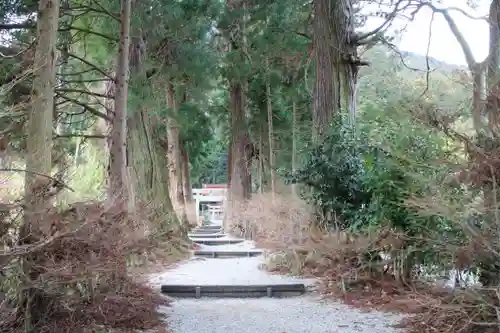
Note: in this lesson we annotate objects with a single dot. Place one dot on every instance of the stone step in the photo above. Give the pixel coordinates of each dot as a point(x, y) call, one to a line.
point(227, 254)
point(206, 235)
point(234, 291)
point(217, 241)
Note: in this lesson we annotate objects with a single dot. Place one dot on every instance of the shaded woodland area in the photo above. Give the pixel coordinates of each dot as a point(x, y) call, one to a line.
point(112, 111)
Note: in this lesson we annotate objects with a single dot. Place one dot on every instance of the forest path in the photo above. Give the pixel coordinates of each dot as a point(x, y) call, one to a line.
point(237, 313)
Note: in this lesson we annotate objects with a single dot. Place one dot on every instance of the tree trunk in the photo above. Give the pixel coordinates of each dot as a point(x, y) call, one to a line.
point(336, 68)
point(478, 89)
point(174, 157)
point(230, 161)
point(186, 179)
point(476, 70)
point(39, 149)
point(270, 133)
point(240, 181)
point(260, 165)
point(39, 141)
point(264, 153)
point(118, 179)
point(240, 162)
point(294, 144)
point(146, 149)
point(486, 129)
point(493, 78)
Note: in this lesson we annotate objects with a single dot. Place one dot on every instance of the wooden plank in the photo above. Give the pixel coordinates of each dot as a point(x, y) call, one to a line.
point(222, 186)
point(227, 254)
point(209, 227)
point(217, 241)
point(211, 231)
point(234, 291)
point(205, 235)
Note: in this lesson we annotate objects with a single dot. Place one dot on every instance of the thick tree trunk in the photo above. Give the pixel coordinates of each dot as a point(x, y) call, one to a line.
point(325, 97)
point(493, 78)
point(485, 77)
point(240, 180)
point(240, 177)
point(186, 179)
point(336, 68)
point(230, 161)
point(489, 275)
point(174, 157)
point(39, 141)
point(240, 163)
point(39, 150)
point(118, 179)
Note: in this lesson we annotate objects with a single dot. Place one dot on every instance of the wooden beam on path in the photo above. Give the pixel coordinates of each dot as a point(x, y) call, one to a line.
point(227, 254)
point(210, 231)
point(234, 291)
point(209, 227)
point(206, 235)
point(217, 241)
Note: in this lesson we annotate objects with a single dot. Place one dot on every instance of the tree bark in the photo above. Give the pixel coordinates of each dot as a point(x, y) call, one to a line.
point(39, 141)
point(39, 150)
point(490, 143)
point(118, 179)
point(174, 157)
point(186, 179)
point(476, 70)
point(270, 133)
point(146, 147)
point(493, 78)
point(230, 161)
point(260, 164)
point(485, 128)
point(294, 144)
point(240, 180)
point(335, 57)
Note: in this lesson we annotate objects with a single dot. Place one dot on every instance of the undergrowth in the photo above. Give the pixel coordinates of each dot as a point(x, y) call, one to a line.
point(359, 268)
point(81, 269)
point(380, 218)
point(76, 277)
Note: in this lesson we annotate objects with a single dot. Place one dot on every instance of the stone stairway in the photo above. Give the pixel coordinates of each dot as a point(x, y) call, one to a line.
point(213, 244)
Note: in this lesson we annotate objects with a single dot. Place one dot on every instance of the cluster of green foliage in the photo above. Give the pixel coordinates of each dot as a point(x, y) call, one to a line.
point(360, 178)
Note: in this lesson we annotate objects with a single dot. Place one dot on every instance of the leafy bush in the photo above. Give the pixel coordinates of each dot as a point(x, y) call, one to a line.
point(359, 179)
point(333, 172)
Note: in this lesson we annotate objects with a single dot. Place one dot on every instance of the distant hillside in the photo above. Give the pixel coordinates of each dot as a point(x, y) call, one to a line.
point(418, 61)
point(387, 77)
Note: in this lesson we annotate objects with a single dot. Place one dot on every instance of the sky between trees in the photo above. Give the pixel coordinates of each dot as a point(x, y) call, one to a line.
point(443, 45)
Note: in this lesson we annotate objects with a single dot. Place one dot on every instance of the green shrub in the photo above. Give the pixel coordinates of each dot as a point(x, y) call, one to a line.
point(359, 179)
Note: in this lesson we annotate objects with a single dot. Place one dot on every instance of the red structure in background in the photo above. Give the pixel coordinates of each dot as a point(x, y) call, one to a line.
point(214, 185)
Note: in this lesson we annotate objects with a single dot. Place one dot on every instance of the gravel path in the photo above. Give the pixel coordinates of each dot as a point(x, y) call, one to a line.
point(266, 315)
point(242, 271)
point(306, 314)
